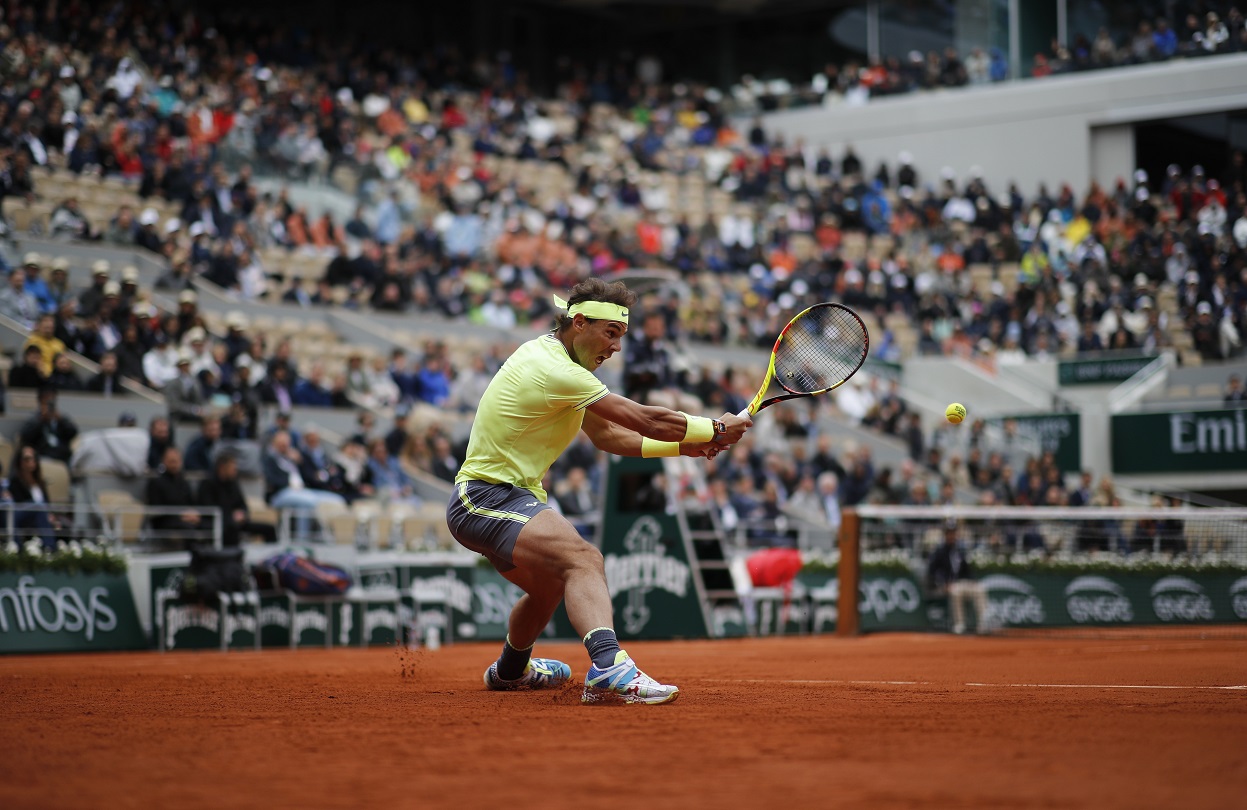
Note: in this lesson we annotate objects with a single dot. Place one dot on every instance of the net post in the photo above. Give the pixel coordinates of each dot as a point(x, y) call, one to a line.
point(847, 623)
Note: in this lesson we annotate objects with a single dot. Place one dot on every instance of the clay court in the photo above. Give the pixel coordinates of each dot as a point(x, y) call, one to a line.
point(882, 721)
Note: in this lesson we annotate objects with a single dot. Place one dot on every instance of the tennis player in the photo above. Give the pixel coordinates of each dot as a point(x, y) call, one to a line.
point(543, 394)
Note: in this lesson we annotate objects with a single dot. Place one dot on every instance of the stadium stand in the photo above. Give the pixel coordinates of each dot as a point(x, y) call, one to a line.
point(476, 201)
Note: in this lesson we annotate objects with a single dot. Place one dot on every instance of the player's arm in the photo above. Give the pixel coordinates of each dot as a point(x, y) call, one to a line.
point(611, 437)
point(662, 424)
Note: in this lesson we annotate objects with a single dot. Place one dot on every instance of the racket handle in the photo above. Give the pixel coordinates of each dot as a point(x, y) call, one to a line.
point(745, 412)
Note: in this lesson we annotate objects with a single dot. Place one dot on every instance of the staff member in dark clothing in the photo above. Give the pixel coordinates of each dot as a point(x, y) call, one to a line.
point(170, 489)
point(222, 490)
point(949, 573)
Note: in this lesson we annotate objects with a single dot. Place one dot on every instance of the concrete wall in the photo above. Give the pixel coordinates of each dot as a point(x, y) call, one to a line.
point(1069, 128)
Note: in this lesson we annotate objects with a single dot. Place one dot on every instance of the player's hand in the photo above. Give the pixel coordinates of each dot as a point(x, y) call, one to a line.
point(702, 449)
point(736, 427)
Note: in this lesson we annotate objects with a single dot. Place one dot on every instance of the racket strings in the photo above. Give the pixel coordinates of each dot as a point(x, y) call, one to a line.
point(821, 348)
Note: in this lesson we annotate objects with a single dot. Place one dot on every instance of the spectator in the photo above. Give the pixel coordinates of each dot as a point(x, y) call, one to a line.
point(17, 303)
point(434, 380)
point(170, 492)
point(27, 486)
point(312, 391)
point(44, 338)
point(107, 381)
point(91, 297)
point(652, 375)
point(36, 286)
point(29, 373)
point(387, 478)
point(318, 468)
point(184, 397)
point(1235, 393)
point(69, 221)
point(50, 433)
point(159, 439)
point(202, 448)
point(276, 389)
point(284, 487)
point(63, 377)
point(949, 574)
point(222, 490)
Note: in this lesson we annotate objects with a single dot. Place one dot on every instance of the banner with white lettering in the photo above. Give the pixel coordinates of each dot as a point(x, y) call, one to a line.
point(1180, 441)
point(57, 612)
point(647, 566)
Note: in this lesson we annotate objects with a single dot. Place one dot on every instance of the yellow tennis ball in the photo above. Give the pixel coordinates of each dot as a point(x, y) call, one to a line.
point(955, 413)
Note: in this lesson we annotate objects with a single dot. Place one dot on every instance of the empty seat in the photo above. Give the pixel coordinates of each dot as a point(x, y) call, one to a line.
point(122, 513)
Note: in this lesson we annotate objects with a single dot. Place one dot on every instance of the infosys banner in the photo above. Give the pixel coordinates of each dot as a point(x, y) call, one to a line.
point(1180, 441)
point(56, 612)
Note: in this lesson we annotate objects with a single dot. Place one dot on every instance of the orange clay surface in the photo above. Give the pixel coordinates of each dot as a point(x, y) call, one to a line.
point(906, 721)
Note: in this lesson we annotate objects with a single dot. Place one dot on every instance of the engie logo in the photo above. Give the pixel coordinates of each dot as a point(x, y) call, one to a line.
point(34, 609)
point(1011, 601)
point(882, 596)
point(1177, 599)
point(1096, 599)
point(1238, 597)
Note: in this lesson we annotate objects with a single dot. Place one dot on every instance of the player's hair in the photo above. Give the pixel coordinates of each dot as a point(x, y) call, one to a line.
point(595, 289)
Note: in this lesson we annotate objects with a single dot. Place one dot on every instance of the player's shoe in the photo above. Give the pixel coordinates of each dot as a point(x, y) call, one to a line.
point(623, 682)
point(541, 673)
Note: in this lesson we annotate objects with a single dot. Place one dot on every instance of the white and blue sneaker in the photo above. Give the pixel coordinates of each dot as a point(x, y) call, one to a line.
point(541, 673)
point(624, 683)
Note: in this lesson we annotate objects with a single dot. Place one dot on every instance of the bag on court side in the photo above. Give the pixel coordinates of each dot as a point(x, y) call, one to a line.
point(308, 577)
point(214, 571)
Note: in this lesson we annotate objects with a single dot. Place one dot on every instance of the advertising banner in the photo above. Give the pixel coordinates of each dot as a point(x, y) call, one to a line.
point(51, 611)
point(1059, 432)
point(647, 565)
point(1100, 371)
point(1180, 441)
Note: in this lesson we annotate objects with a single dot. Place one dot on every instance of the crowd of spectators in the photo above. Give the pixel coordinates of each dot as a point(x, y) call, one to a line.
point(449, 231)
point(181, 110)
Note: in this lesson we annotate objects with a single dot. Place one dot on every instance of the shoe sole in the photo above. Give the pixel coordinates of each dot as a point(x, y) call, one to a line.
point(611, 696)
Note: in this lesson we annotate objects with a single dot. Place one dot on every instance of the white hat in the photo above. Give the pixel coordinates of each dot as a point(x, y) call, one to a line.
point(67, 71)
point(1191, 277)
point(1140, 280)
point(196, 334)
point(184, 356)
point(1140, 176)
point(197, 228)
point(149, 217)
point(112, 288)
point(60, 263)
point(236, 320)
point(1204, 307)
point(1145, 303)
point(1141, 194)
point(174, 225)
point(32, 258)
point(130, 273)
point(187, 297)
point(99, 268)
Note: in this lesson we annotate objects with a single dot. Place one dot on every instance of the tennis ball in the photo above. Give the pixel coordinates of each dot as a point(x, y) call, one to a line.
point(955, 413)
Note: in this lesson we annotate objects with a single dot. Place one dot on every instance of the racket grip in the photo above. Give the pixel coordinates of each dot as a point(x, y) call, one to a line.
point(745, 412)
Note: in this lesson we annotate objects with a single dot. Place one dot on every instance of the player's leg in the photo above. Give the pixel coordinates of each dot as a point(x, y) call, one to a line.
point(555, 557)
point(488, 519)
point(549, 547)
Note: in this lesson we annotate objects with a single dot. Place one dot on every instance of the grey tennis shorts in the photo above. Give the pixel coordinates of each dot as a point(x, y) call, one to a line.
point(487, 518)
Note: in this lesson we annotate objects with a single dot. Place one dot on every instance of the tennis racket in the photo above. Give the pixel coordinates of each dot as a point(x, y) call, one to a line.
point(818, 351)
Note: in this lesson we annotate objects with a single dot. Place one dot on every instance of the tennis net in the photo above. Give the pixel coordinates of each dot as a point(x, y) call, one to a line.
point(1043, 569)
